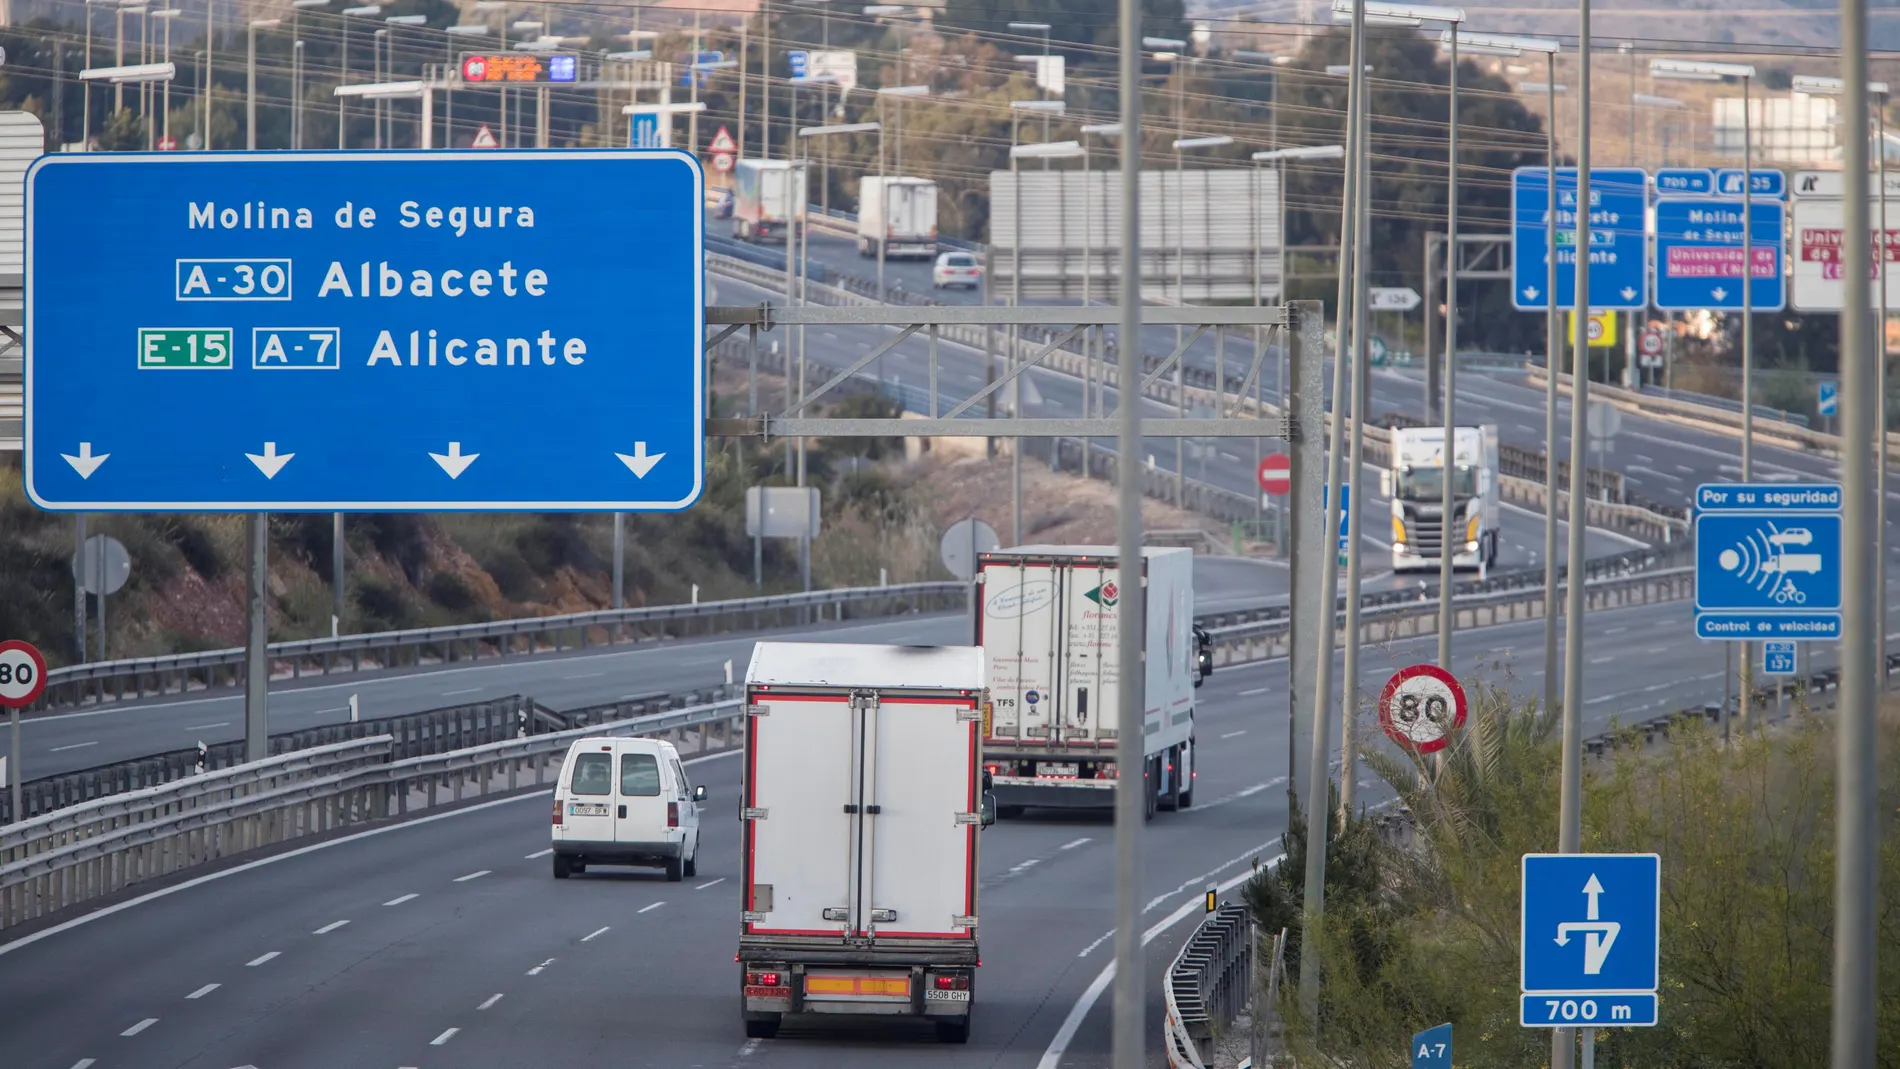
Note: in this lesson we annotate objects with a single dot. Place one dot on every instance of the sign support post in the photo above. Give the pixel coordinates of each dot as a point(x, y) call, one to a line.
point(22, 681)
point(256, 636)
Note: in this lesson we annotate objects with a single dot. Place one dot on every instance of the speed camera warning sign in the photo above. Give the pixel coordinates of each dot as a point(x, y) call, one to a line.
point(1420, 706)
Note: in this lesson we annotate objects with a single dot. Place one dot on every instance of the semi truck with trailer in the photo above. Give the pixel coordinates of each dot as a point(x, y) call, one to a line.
point(902, 212)
point(1415, 482)
point(1048, 619)
point(860, 811)
point(768, 201)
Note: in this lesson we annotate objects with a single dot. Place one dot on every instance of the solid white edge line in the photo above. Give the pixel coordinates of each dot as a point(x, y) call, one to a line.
point(107, 911)
point(1052, 1057)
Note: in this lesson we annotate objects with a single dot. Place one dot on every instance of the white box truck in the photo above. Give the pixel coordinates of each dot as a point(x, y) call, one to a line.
point(768, 200)
point(1415, 482)
point(903, 211)
point(1048, 619)
point(862, 801)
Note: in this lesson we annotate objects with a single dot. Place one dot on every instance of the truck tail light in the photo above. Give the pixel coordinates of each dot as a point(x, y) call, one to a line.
point(764, 979)
point(1106, 771)
point(952, 983)
point(672, 814)
point(557, 812)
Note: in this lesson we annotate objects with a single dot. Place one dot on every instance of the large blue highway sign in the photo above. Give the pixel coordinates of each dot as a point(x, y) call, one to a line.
point(1768, 561)
point(1591, 939)
point(408, 331)
point(1619, 248)
point(1699, 254)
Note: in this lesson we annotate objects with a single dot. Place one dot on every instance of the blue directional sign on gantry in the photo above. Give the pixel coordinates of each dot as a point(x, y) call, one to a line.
point(1619, 248)
point(1699, 254)
point(353, 331)
point(1768, 561)
point(1591, 940)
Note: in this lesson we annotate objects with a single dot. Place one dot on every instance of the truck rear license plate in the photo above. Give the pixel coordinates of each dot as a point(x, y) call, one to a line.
point(1056, 769)
point(935, 995)
point(585, 809)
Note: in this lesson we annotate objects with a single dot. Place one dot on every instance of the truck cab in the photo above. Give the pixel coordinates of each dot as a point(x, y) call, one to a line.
point(1415, 482)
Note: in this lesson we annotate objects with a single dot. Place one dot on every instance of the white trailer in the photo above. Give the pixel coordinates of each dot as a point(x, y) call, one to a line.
point(903, 211)
point(1416, 484)
point(1048, 624)
point(862, 800)
point(768, 200)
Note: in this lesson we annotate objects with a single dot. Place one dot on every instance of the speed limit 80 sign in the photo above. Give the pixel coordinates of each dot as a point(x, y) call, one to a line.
point(22, 674)
point(1420, 707)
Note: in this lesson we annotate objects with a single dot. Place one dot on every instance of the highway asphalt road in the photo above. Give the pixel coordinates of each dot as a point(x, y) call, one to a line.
point(446, 942)
point(65, 741)
point(1660, 460)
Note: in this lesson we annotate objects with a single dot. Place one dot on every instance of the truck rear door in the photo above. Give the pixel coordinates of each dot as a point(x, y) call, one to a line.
point(1019, 631)
point(800, 775)
point(1092, 611)
point(920, 786)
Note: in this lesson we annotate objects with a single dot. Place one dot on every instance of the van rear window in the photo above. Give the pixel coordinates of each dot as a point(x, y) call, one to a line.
point(639, 776)
point(593, 774)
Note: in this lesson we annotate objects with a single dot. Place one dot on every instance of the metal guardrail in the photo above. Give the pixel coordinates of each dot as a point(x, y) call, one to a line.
point(204, 824)
point(93, 819)
point(138, 677)
point(1264, 639)
point(1722, 419)
point(1208, 985)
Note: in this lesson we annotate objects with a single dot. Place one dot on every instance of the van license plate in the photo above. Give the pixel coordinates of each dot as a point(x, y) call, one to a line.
point(936, 995)
point(1056, 769)
point(586, 809)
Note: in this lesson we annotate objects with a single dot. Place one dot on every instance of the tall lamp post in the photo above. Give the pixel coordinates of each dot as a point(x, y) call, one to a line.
point(365, 11)
point(1694, 71)
point(297, 8)
point(1042, 67)
point(898, 92)
point(1835, 87)
point(250, 78)
point(165, 88)
point(451, 74)
point(1018, 108)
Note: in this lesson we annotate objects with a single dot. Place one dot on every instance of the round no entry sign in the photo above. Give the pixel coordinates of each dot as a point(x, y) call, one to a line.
point(1276, 473)
point(1420, 706)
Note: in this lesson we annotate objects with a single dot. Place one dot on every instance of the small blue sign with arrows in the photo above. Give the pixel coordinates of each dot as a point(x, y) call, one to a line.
point(1591, 939)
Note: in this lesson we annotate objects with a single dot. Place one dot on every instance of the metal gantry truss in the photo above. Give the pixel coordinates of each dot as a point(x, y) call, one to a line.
point(1069, 323)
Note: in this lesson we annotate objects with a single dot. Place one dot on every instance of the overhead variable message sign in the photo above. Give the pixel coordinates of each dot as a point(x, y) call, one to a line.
point(409, 331)
point(493, 68)
point(1619, 249)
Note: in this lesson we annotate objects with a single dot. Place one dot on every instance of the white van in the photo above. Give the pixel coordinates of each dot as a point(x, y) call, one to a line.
point(625, 802)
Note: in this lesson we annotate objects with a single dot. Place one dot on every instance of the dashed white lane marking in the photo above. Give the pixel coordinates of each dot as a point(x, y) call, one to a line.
point(602, 930)
point(655, 905)
point(1073, 843)
point(490, 1001)
point(753, 1044)
point(140, 1027)
point(260, 959)
point(538, 853)
point(400, 899)
point(201, 727)
point(1031, 863)
point(1254, 692)
point(330, 927)
point(1235, 734)
point(74, 746)
point(203, 991)
point(536, 971)
point(710, 883)
point(83, 1063)
point(464, 690)
point(447, 1034)
point(473, 875)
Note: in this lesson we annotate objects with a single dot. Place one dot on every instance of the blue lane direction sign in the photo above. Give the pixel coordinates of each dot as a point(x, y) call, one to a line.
point(406, 331)
point(1827, 398)
point(1685, 182)
point(799, 63)
point(1591, 939)
point(1768, 561)
point(1431, 1049)
point(1699, 254)
point(1768, 183)
point(1777, 658)
point(1619, 247)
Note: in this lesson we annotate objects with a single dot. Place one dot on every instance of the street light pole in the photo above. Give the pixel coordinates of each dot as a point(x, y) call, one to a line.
point(1447, 519)
point(1553, 359)
point(250, 78)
